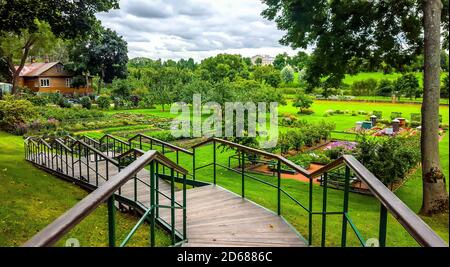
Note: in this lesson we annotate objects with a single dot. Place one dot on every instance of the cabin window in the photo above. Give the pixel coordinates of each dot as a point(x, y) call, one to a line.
point(45, 82)
point(68, 82)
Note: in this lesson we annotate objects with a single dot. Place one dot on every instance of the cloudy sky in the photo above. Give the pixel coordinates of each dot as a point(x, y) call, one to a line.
point(174, 29)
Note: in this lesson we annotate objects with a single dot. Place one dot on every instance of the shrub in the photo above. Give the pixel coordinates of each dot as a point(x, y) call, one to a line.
point(395, 115)
point(121, 88)
point(385, 88)
point(379, 114)
point(303, 102)
point(445, 87)
point(389, 159)
point(407, 85)
point(364, 87)
point(86, 102)
point(16, 113)
point(64, 103)
point(287, 74)
point(104, 102)
point(38, 100)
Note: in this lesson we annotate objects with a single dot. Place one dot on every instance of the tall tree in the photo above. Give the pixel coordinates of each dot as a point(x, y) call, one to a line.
point(67, 19)
point(389, 32)
point(16, 47)
point(435, 196)
point(104, 54)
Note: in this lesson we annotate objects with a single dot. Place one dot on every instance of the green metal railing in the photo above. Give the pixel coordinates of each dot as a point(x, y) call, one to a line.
point(389, 203)
point(63, 159)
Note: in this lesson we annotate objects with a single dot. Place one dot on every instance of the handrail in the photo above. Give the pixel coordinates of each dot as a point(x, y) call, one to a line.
point(255, 151)
point(415, 226)
point(115, 162)
point(57, 140)
point(45, 143)
point(169, 145)
point(55, 231)
point(114, 138)
point(91, 139)
point(129, 152)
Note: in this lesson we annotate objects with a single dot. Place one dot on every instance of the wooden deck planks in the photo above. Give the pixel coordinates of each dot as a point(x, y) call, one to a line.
point(215, 216)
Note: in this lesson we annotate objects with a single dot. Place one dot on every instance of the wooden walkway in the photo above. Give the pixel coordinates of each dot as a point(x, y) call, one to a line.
point(215, 216)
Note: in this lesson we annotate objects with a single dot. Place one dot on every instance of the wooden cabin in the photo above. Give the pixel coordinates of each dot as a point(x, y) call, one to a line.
point(50, 77)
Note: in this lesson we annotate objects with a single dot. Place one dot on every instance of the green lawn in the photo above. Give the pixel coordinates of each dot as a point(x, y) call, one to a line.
point(31, 199)
point(350, 79)
point(347, 121)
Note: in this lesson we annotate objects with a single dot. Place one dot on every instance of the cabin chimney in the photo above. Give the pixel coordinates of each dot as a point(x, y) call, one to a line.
point(46, 59)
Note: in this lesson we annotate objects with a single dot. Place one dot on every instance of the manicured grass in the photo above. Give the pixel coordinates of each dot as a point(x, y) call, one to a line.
point(350, 79)
point(402, 100)
point(347, 121)
point(31, 199)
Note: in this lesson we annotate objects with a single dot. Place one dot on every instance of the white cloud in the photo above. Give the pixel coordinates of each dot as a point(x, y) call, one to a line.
point(174, 29)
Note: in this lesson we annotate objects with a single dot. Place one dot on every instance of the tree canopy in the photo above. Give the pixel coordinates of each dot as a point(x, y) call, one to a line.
point(388, 32)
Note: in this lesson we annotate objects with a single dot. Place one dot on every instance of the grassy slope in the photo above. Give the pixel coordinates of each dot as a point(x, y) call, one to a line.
point(31, 199)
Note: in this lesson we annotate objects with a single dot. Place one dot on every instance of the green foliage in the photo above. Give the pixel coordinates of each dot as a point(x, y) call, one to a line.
point(407, 85)
point(104, 102)
point(64, 114)
point(378, 113)
point(38, 100)
point(267, 74)
point(15, 113)
point(304, 134)
point(385, 88)
point(445, 87)
point(365, 87)
point(223, 66)
point(64, 103)
point(303, 102)
point(306, 159)
point(280, 61)
point(339, 32)
point(121, 88)
point(389, 159)
point(86, 102)
point(42, 38)
point(287, 75)
point(104, 54)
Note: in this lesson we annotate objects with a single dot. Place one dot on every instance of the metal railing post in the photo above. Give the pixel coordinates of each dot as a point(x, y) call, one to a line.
point(184, 208)
point(279, 187)
point(152, 204)
point(310, 214)
point(383, 225)
point(193, 166)
point(111, 221)
point(324, 208)
point(345, 209)
point(215, 162)
point(243, 174)
point(157, 190)
point(172, 204)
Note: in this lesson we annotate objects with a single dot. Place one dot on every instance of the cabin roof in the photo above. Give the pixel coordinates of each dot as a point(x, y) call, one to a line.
point(36, 69)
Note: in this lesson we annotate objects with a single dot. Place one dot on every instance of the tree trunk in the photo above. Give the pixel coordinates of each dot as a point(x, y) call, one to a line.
point(16, 72)
point(99, 89)
point(435, 197)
